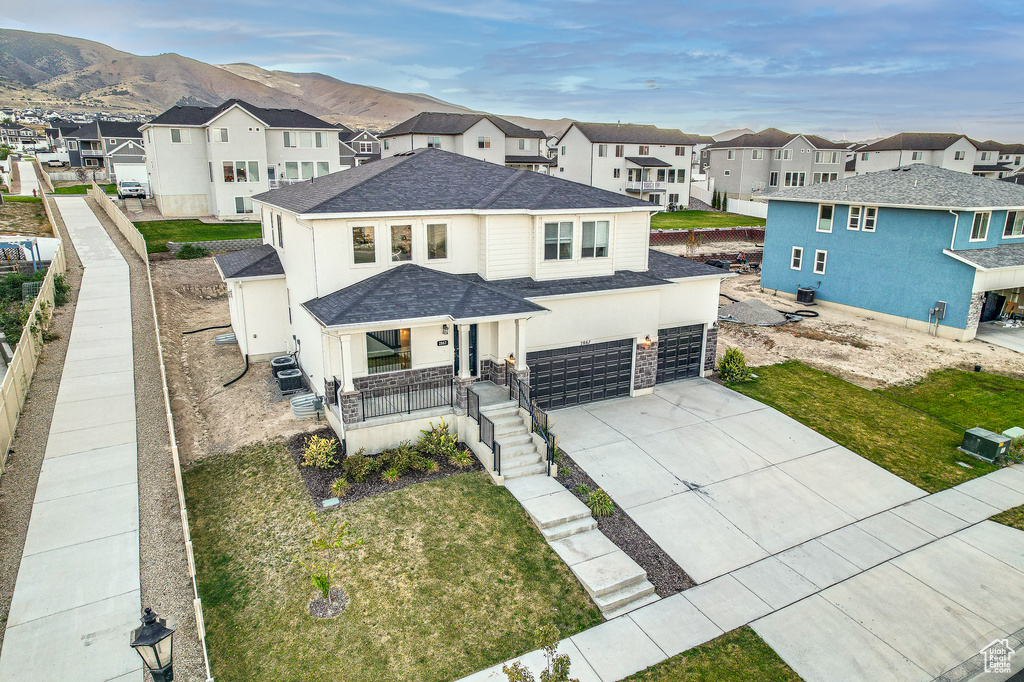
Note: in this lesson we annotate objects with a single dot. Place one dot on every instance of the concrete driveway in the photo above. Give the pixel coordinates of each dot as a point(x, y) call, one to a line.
point(1005, 337)
point(719, 480)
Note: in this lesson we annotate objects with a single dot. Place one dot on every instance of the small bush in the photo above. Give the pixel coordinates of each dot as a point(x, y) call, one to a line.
point(582, 489)
point(61, 288)
point(733, 366)
point(340, 487)
point(461, 459)
point(190, 251)
point(320, 453)
point(357, 467)
point(322, 582)
point(600, 503)
point(438, 441)
point(391, 475)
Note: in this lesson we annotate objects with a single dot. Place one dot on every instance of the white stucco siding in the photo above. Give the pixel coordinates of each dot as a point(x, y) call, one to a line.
point(689, 302)
point(966, 149)
point(178, 172)
point(607, 316)
point(297, 258)
point(396, 145)
point(576, 163)
point(246, 143)
point(278, 155)
point(531, 146)
point(266, 328)
point(468, 143)
point(311, 345)
point(236, 311)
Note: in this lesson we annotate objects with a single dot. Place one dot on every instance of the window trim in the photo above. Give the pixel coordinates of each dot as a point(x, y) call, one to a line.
point(391, 241)
point(756, 154)
point(183, 136)
point(558, 241)
point(870, 216)
point(787, 154)
point(959, 155)
point(620, 151)
point(831, 220)
point(796, 260)
point(824, 261)
point(1009, 225)
point(602, 150)
point(852, 224)
point(483, 142)
point(974, 225)
point(447, 242)
point(352, 242)
point(607, 239)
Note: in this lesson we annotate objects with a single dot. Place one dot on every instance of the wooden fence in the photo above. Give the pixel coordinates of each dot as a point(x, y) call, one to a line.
point(138, 243)
point(22, 367)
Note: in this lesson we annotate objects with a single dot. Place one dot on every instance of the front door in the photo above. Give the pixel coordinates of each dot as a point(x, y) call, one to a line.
point(271, 174)
point(993, 306)
point(472, 350)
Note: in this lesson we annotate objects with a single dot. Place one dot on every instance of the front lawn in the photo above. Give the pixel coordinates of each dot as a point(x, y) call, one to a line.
point(84, 189)
point(452, 577)
point(736, 656)
point(159, 232)
point(27, 200)
point(687, 220)
point(915, 446)
point(969, 399)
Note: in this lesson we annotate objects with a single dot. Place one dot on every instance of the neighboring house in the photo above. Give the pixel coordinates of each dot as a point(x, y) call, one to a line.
point(479, 136)
point(356, 147)
point(212, 160)
point(772, 160)
point(643, 161)
point(122, 145)
point(401, 282)
point(944, 150)
point(56, 134)
point(998, 160)
point(85, 147)
point(930, 248)
point(19, 138)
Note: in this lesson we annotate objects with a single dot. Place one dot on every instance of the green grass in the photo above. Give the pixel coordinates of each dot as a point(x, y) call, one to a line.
point(452, 577)
point(915, 446)
point(83, 189)
point(26, 200)
point(1011, 517)
point(736, 656)
point(968, 399)
point(688, 220)
point(159, 232)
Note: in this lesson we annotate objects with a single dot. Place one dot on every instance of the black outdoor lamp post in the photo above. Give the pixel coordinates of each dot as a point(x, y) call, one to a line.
point(153, 642)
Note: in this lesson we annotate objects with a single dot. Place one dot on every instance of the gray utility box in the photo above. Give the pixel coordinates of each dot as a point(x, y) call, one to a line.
point(985, 444)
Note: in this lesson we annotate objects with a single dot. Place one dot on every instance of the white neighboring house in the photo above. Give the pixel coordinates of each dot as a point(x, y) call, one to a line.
point(642, 161)
point(400, 282)
point(945, 150)
point(997, 159)
point(479, 136)
point(213, 160)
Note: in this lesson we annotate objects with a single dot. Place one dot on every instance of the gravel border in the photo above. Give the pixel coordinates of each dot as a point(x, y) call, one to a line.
point(664, 573)
point(163, 565)
point(18, 483)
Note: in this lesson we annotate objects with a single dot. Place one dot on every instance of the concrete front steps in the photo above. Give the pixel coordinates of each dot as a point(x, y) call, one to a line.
point(615, 582)
point(519, 456)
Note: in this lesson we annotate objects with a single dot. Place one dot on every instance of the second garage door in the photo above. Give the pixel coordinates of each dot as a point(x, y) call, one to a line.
point(680, 352)
point(563, 377)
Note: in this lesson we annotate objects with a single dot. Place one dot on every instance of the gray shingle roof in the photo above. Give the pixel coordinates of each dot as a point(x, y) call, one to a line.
point(519, 158)
point(119, 129)
point(631, 133)
point(648, 162)
point(923, 141)
point(1005, 256)
point(436, 180)
point(274, 118)
point(773, 138)
point(259, 261)
point(915, 185)
point(410, 292)
point(432, 123)
point(991, 168)
point(666, 266)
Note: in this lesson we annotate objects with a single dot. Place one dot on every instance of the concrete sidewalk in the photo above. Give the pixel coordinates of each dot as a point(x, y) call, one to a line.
point(27, 177)
point(78, 591)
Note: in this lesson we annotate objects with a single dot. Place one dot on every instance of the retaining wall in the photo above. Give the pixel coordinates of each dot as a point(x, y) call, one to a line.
point(219, 245)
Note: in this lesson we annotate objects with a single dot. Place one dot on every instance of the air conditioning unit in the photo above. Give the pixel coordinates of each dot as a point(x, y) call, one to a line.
point(985, 444)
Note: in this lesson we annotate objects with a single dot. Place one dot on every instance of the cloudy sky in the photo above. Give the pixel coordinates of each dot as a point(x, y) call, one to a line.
point(858, 68)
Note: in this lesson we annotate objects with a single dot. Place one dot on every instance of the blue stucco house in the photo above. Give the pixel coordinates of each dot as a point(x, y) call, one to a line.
point(933, 249)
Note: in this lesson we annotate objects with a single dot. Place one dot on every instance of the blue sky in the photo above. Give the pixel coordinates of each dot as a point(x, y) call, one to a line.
point(857, 68)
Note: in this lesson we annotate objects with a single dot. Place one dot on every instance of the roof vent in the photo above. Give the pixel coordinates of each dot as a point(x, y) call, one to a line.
point(906, 169)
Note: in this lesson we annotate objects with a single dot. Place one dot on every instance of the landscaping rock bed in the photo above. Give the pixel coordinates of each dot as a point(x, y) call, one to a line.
point(323, 609)
point(318, 481)
point(664, 573)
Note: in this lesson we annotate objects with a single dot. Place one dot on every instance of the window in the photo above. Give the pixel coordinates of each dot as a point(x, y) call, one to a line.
point(756, 154)
point(916, 156)
point(92, 162)
point(853, 221)
point(671, 174)
point(1014, 224)
point(644, 150)
point(825, 212)
point(563, 150)
point(522, 145)
point(1016, 161)
point(787, 154)
point(680, 151)
point(434, 142)
point(305, 140)
point(307, 170)
point(320, 140)
point(979, 231)
point(387, 144)
point(824, 177)
point(211, 170)
point(985, 156)
point(243, 205)
point(602, 150)
point(401, 243)
point(363, 249)
point(820, 258)
point(365, 147)
point(241, 171)
point(484, 142)
point(280, 232)
point(112, 141)
point(795, 179)
point(558, 241)
point(595, 239)
point(661, 175)
point(797, 260)
point(229, 171)
point(290, 139)
point(178, 136)
point(778, 154)
point(773, 179)
point(673, 198)
point(681, 175)
point(727, 173)
point(864, 156)
point(240, 174)
point(388, 351)
point(437, 242)
point(220, 134)
point(291, 170)
point(731, 154)
point(654, 198)
point(616, 172)
point(322, 168)
point(620, 150)
point(959, 156)
point(870, 213)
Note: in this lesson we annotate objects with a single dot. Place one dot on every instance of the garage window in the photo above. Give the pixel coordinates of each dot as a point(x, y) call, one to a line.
point(558, 241)
point(595, 239)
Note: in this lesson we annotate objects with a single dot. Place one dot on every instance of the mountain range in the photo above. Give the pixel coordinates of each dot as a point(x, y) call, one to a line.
point(60, 72)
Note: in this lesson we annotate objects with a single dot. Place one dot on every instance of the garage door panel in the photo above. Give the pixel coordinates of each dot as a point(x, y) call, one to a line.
point(679, 352)
point(563, 377)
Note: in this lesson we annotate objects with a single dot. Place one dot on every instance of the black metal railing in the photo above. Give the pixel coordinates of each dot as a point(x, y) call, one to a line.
point(389, 362)
point(520, 392)
point(473, 405)
point(379, 402)
point(487, 432)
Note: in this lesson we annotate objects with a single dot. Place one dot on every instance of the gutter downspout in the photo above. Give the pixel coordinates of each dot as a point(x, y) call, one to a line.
point(955, 224)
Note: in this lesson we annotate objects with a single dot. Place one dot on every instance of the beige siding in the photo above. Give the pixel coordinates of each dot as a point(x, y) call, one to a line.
point(509, 240)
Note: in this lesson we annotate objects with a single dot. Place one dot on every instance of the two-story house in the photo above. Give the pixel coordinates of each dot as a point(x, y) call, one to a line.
point(771, 160)
point(997, 159)
point(356, 147)
point(479, 136)
point(84, 146)
point(401, 282)
point(929, 248)
point(643, 161)
point(122, 146)
point(213, 160)
point(944, 150)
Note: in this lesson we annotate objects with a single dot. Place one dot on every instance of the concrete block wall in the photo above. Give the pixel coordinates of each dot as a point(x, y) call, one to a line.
point(219, 245)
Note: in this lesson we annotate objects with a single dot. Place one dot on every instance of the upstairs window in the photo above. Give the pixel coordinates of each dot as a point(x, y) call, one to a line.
point(363, 245)
point(644, 150)
point(220, 134)
point(853, 222)
point(1014, 224)
point(620, 150)
point(434, 142)
point(959, 156)
point(484, 142)
point(558, 241)
point(320, 140)
point(229, 171)
point(795, 179)
point(387, 144)
point(602, 150)
point(437, 242)
point(280, 232)
point(731, 154)
point(178, 136)
point(401, 243)
point(661, 175)
point(307, 170)
point(979, 230)
point(864, 156)
point(595, 239)
point(870, 215)
point(522, 144)
point(305, 140)
point(680, 151)
point(787, 154)
point(616, 172)
point(671, 174)
point(563, 150)
point(825, 212)
point(756, 154)
point(985, 156)
point(322, 168)
point(778, 154)
point(290, 139)
point(291, 170)
point(916, 156)
point(365, 147)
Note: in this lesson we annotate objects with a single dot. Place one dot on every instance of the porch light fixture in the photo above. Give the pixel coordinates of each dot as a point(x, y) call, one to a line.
point(647, 341)
point(153, 640)
point(444, 329)
point(511, 359)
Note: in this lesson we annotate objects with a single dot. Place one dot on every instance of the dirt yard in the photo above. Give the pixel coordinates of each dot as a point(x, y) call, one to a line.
point(747, 247)
point(210, 418)
point(858, 348)
point(24, 217)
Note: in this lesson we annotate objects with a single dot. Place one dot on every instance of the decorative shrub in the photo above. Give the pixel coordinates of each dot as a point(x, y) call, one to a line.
point(438, 441)
point(60, 290)
point(320, 453)
point(190, 251)
point(461, 459)
point(391, 475)
point(340, 487)
point(358, 466)
point(600, 503)
point(582, 489)
point(733, 366)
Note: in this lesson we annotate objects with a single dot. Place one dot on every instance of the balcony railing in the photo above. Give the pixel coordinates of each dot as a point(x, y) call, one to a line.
point(92, 152)
point(379, 402)
point(645, 186)
point(284, 182)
